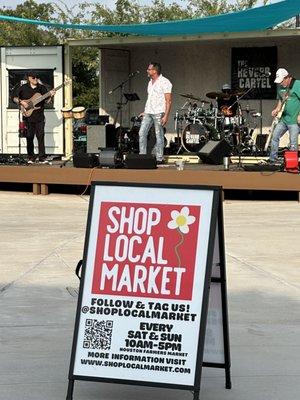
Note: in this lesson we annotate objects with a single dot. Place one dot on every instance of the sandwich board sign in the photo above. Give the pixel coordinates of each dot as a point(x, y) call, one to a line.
point(150, 252)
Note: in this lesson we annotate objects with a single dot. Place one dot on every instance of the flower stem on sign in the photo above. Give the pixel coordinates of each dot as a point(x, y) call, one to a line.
point(177, 245)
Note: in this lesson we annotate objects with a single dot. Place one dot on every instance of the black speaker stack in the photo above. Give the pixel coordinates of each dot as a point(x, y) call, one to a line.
point(100, 137)
point(100, 144)
point(105, 149)
point(214, 151)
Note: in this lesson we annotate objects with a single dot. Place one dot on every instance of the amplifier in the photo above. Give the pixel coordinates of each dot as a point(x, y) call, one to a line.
point(100, 136)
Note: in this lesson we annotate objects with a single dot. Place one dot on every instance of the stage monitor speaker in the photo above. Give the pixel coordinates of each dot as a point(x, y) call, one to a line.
point(110, 158)
point(84, 160)
point(140, 161)
point(100, 136)
point(214, 151)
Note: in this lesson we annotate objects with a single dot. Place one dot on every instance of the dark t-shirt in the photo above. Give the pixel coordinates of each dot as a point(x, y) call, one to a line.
point(228, 102)
point(25, 92)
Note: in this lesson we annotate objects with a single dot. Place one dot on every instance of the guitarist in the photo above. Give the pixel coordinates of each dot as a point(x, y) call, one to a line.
point(287, 111)
point(36, 121)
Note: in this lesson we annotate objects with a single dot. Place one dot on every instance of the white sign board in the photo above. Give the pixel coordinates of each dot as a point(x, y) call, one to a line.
point(144, 293)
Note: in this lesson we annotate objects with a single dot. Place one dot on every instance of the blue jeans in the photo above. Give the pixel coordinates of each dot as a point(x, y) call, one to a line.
point(279, 131)
point(146, 124)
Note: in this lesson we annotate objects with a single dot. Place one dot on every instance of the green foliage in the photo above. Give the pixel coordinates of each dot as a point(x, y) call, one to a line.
point(203, 8)
point(86, 59)
point(159, 11)
point(18, 34)
point(85, 72)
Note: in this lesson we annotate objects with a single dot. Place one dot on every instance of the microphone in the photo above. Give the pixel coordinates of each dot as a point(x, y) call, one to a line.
point(134, 73)
point(110, 92)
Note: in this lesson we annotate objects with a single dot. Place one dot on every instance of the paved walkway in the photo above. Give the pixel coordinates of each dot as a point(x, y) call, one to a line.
point(42, 240)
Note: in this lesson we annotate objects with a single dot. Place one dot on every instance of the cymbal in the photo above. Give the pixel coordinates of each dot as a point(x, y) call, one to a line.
point(189, 96)
point(215, 95)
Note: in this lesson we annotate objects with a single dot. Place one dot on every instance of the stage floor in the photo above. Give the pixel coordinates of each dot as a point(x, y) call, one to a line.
point(236, 178)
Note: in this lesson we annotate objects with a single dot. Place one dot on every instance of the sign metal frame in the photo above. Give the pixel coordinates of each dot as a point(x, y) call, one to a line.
point(216, 228)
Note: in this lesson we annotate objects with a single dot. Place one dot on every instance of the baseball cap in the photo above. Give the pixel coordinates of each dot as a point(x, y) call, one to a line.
point(280, 75)
point(226, 86)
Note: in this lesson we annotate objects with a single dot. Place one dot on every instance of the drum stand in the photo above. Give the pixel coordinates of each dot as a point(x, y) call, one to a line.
point(178, 130)
point(216, 115)
point(239, 149)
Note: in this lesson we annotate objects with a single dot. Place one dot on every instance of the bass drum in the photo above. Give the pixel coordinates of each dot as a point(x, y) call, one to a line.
point(194, 137)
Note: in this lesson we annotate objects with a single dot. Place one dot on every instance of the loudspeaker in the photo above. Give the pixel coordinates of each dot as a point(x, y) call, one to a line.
point(261, 141)
point(140, 161)
point(214, 151)
point(83, 160)
point(110, 158)
point(100, 136)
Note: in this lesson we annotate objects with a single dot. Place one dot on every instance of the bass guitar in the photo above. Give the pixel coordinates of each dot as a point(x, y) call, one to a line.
point(37, 98)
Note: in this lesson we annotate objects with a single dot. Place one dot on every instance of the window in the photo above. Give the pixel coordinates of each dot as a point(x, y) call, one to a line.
point(17, 77)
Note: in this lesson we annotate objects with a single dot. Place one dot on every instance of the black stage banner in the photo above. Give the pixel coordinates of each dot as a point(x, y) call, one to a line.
point(253, 69)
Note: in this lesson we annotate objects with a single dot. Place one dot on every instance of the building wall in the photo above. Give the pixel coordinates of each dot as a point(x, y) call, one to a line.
point(200, 68)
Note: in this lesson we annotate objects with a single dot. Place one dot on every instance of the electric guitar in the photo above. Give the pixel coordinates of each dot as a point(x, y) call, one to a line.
point(272, 128)
point(275, 121)
point(227, 111)
point(37, 98)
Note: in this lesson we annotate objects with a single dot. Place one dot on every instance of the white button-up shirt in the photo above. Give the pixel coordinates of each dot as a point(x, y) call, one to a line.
point(156, 102)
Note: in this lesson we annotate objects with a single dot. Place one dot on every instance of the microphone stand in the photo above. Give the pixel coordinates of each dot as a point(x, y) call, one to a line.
point(177, 130)
point(120, 104)
point(239, 146)
point(22, 131)
point(261, 145)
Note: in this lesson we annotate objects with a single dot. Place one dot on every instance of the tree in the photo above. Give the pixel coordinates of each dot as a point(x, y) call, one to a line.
point(86, 59)
point(19, 34)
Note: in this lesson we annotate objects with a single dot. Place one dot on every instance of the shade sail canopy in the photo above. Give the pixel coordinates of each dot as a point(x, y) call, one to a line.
point(253, 19)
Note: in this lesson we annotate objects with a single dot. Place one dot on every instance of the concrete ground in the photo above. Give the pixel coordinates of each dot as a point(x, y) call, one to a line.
point(42, 240)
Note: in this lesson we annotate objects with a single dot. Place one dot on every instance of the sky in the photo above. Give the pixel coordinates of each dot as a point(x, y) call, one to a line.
point(108, 3)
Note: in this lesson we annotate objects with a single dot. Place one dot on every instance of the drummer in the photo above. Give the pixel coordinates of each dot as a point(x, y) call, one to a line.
point(227, 103)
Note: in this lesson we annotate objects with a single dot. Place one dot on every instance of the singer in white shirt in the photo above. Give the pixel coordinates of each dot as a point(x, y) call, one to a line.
point(157, 110)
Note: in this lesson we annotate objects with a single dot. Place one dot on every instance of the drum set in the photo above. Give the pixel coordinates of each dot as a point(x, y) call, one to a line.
point(200, 120)
point(196, 123)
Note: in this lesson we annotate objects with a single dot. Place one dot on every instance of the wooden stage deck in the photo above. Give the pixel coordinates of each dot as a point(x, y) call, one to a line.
point(41, 177)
